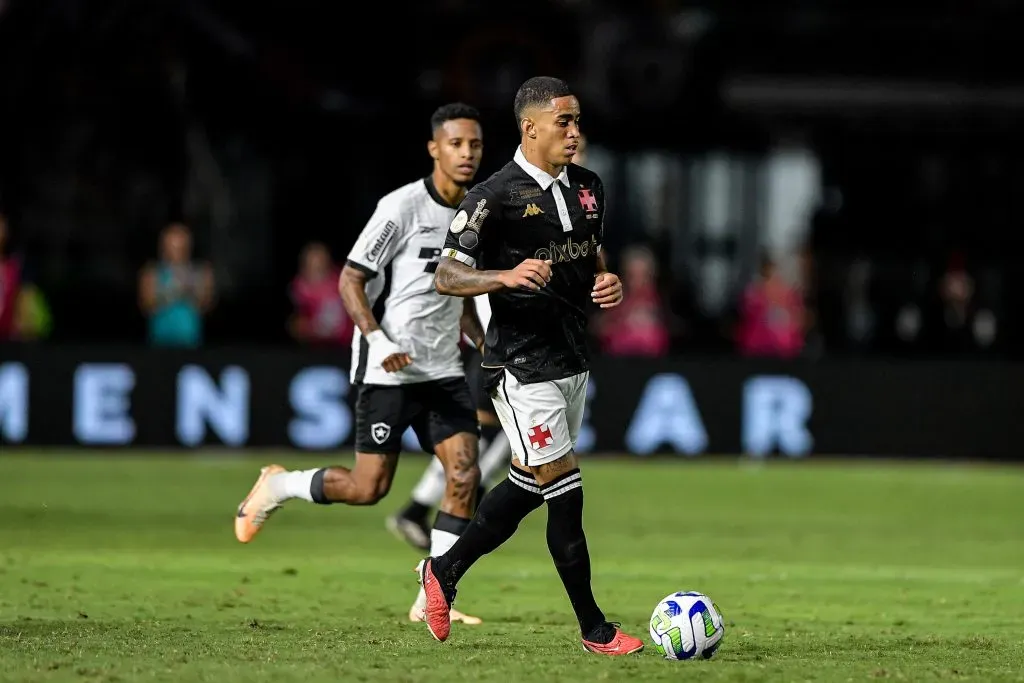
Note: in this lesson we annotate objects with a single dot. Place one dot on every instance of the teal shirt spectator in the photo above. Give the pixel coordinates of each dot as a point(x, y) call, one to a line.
point(177, 320)
point(176, 292)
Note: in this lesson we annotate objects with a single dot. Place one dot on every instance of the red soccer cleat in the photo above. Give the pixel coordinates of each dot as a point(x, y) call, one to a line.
point(621, 644)
point(437, 613)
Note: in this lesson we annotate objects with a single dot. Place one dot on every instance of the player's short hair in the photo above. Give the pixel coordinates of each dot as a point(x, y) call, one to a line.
point(451, 111)
point(539, 90)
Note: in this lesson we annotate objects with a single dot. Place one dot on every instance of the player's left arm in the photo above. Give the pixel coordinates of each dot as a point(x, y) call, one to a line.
point(607, 291)
point(471, 325)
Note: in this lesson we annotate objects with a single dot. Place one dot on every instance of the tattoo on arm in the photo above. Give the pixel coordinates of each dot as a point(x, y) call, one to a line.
point(455, 278)
point(470, 322)
point(353, 294)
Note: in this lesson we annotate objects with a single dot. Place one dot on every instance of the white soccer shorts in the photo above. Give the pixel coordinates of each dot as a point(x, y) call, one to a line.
point(542, 420)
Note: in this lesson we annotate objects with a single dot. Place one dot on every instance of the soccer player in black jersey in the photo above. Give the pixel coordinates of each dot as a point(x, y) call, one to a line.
point(530, 237)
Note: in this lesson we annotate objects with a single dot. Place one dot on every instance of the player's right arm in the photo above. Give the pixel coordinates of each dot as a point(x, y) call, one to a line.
point(377, 245)
point(457, 274)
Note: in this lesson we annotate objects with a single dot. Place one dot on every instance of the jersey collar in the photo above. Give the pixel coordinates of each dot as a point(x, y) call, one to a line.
point(543, 179)
point(434, 194)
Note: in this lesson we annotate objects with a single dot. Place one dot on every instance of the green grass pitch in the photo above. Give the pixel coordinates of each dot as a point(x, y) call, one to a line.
point(125, 568)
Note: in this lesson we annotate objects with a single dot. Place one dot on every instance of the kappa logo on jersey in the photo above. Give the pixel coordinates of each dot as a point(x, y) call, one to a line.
point(379, 432)
point(540, 436)
point(381, 243)
point(570, 250)
point(532, 210)
point(479, 214)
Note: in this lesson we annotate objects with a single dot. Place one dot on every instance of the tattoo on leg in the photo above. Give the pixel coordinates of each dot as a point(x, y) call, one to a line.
point(464, 488)
point(459, 457)
point(552, 470)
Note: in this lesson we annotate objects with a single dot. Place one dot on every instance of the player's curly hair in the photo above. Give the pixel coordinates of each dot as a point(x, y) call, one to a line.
point(451, 111)
point(539, 90)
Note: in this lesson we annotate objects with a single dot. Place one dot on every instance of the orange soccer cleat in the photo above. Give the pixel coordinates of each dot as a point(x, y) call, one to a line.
point(437, 612)
point(621, 644)
point(257, 506)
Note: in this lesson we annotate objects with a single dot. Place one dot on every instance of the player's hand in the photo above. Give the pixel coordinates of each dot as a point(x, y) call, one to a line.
point(607, 290)
point(530, 274)
point(396, 362)
point(386, 353)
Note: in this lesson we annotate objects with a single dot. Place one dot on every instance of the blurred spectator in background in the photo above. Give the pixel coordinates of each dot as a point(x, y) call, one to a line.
point(175, 293)
point(638, 326)
point(965, 325)
point(24, 314)
point(319, 316)
point(772, 316)
point(10, 287)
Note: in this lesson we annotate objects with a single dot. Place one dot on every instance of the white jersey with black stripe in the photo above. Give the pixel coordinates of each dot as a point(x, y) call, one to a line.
point(398, 250)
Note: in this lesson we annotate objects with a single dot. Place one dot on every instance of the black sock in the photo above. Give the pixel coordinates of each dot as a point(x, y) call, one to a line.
point(316, 488)
point(568, 547)
point(451, 523)
point(480, 493)
point(496, 519)
point(416, 512)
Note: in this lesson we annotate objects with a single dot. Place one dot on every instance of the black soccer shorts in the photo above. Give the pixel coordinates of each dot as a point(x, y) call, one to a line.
point(436, 410)
point(471, 359)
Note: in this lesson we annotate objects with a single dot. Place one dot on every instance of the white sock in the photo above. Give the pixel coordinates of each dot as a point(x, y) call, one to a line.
point(440, 543)
point(292, 484)
point(495, 459)
point(430, 489)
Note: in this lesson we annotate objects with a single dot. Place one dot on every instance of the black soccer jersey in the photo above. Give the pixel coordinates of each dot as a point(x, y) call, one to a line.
point(521, 212)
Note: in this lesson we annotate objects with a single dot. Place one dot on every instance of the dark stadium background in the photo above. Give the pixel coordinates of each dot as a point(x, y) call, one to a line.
point(264, 126)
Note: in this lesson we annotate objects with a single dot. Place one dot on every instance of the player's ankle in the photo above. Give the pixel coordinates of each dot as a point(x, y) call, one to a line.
point(442, 566)
point(601, 633)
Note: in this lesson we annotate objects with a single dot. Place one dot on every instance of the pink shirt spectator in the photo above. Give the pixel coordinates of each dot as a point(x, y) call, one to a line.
point(320, 314)
point(10, 286)
point(771, 320)
point(636, 327)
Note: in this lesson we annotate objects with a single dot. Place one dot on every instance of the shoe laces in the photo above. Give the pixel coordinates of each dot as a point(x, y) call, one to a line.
point(263, 514)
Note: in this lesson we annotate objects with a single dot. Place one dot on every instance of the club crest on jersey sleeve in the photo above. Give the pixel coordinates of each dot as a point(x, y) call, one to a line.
point(459, 222)
point(479, 214)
